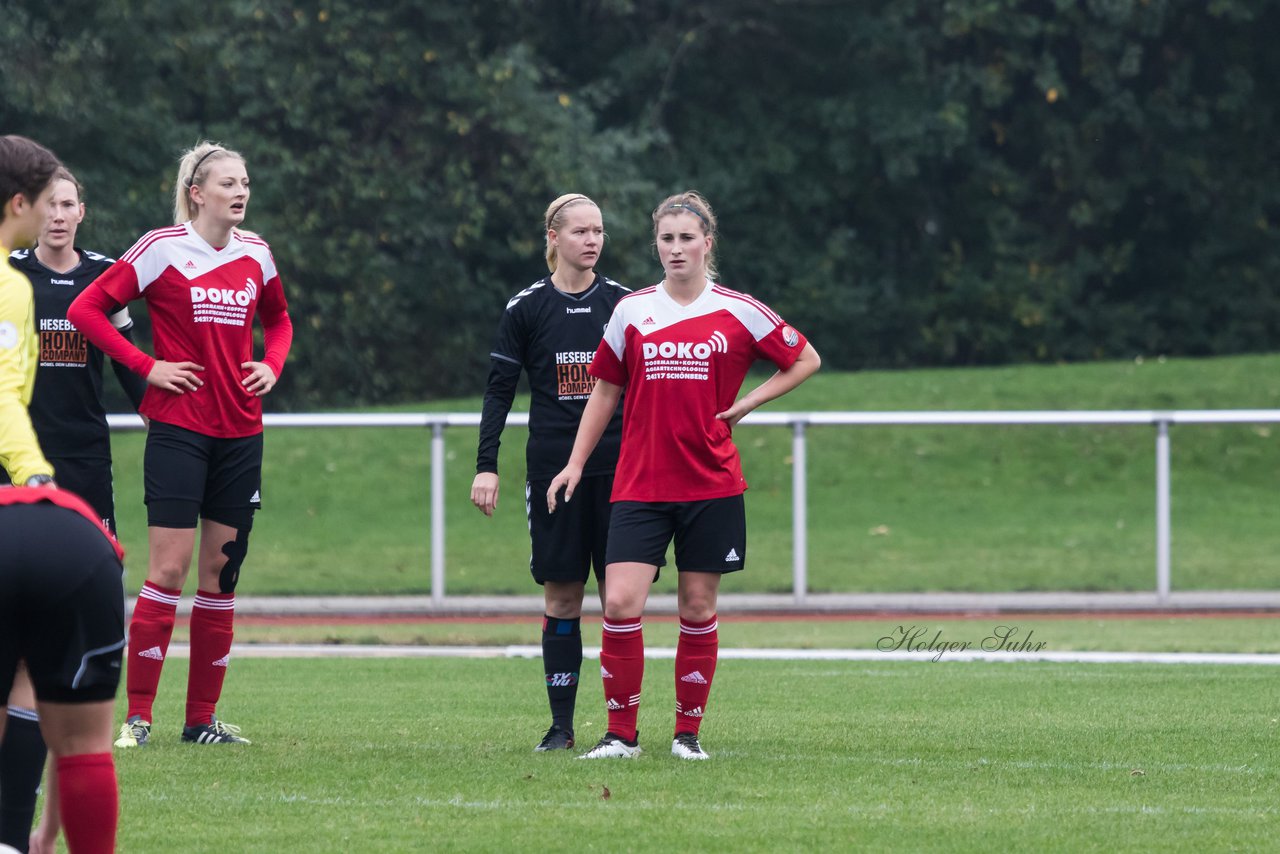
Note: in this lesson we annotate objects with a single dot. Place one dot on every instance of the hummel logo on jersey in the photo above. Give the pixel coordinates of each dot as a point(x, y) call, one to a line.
point(695, 678)
point(648, 321)
point(572, 310)
point(155, 654)
point(732, 556)
point(561, 680)
point(614, 706)
point(222, 662)
point(257, 497)
point(62, 281)
point(604, 673)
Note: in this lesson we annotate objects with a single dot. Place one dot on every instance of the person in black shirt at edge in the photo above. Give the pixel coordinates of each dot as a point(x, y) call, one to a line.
point(70, 422)
point(551, 330)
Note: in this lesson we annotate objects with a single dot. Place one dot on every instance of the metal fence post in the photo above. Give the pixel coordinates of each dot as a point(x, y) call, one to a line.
point(799, 515)
point(437, 513)
point(1162, 510)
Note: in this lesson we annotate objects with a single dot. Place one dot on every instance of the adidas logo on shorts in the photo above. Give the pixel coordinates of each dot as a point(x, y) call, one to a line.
point(732, 556)
point(695, 678)
point(155, 654)
point(223, 662)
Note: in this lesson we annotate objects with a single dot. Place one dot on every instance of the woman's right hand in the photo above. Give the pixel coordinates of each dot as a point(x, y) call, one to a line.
point(484, 492)
point(177, 377)
point(43, 840)
point(566, 480)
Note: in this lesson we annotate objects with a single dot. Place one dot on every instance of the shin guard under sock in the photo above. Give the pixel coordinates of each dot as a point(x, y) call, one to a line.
point(696, 654)
point(150, 629)
point(561, 661)
point(622, 671)
point(212, 621)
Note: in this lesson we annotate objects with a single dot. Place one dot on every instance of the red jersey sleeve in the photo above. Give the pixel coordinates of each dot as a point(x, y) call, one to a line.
point(89, 313)
point(610, 363)
point(781, 346)
point(273, 311)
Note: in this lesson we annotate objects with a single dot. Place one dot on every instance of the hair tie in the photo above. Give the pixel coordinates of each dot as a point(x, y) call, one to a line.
point(191, 182)
point(563, 205)
point(691, 209)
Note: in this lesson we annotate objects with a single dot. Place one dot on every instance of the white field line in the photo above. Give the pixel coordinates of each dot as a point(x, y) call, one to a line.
point(323, 650)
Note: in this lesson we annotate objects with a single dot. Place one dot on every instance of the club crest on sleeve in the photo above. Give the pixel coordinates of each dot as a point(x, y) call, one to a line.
point(790, 337)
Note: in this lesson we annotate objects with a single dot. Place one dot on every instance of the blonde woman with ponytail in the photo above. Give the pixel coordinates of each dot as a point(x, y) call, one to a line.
point(550, 330)
point(204, 280)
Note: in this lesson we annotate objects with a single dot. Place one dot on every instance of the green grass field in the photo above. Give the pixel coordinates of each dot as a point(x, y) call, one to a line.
point(398, 755)
point(890, 509)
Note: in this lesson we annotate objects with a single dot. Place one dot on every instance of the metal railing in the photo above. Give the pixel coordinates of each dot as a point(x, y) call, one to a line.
point(799, 422)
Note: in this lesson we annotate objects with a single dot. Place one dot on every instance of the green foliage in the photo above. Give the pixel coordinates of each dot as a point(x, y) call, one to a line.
point(910, 182)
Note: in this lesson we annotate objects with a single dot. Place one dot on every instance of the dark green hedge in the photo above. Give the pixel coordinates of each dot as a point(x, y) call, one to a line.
point(910, 182)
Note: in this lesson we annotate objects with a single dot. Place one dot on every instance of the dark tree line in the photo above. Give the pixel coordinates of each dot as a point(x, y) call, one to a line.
point(909, 181)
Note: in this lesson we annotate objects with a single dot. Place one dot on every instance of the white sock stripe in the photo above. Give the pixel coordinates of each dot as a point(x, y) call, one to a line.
point(215, 604)
point(617, 628)
point(687, 629)
point(24, 714)
point(148, 592)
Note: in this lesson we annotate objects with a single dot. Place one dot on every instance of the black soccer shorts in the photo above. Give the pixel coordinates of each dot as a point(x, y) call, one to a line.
point(710, 535)
point(91, 480)
point(568, 542)
point(189, 475)
point(61, 604)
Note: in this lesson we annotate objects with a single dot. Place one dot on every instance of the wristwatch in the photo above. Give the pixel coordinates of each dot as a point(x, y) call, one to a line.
point(40, 480)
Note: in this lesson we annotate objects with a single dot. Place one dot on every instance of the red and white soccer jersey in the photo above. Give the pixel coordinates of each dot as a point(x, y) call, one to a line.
point(681, 365)
point(202, 302)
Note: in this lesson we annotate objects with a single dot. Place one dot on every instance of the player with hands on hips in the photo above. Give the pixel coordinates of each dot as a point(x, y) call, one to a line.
point(551, 330)
point(681, 350)
point(204, 279)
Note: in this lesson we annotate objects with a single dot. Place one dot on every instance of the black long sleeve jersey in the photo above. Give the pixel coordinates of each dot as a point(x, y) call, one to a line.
point(553, 336)
point(66, 406)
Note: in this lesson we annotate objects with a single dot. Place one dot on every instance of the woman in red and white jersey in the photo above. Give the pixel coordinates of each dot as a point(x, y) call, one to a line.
point(204, 280)
point(681, 349)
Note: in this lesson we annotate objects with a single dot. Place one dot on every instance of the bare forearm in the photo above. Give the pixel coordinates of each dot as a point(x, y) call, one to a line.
point(782, 381)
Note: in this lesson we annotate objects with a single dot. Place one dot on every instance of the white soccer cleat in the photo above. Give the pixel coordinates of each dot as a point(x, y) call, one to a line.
point(613, 747)
point(685, 745)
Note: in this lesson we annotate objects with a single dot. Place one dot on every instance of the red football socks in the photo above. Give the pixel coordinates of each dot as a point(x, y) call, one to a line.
point(696, 654)
point(90, 802)
point(149, 632)
point(212, 618)
point(622, 671)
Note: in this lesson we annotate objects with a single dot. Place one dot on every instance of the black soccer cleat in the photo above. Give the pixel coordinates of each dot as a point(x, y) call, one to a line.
point(214, 732)
point(556, 739)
